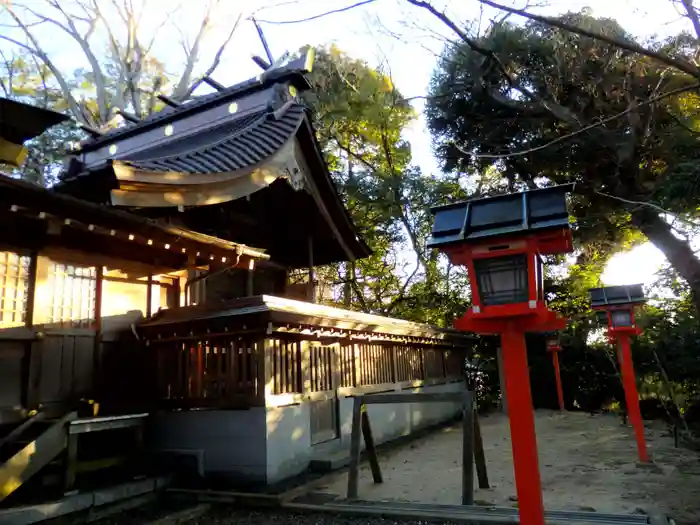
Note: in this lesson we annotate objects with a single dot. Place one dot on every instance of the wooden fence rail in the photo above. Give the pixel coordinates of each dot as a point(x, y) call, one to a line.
point(224, 369)
point(471, 436)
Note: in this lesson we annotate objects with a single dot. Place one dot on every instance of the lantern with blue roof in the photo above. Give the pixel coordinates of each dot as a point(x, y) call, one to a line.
point(501, 241)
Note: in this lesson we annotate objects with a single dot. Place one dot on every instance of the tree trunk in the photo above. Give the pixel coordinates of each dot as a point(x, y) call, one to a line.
point(347, 286)
point(678, 252)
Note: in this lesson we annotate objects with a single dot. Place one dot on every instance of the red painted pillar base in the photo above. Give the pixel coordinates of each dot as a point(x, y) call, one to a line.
point(631, 396)
point(522, 428)
point(557, 376)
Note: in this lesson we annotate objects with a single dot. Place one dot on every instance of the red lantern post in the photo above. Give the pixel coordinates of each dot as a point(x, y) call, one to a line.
point(554, 347)
point(617, 304)
point(500, 241)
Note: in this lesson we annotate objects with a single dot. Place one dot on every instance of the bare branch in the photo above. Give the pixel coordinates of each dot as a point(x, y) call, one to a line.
point(653, 206)
point(166, 19)
point(692, 15)
point(538, 104)
point(98, 76)
point(119, 101)
point(7, 85)
point(678, 63)
point(320, 15)
point(182, 88)
point(37, 50)
point(217, 58)
point(629, 110)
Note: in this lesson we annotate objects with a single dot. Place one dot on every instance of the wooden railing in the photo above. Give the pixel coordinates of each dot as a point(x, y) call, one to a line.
point(229, 370)
point(221, 370)
point(302, 368)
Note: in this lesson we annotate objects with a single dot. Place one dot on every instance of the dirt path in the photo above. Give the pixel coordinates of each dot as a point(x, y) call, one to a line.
point(587, 463)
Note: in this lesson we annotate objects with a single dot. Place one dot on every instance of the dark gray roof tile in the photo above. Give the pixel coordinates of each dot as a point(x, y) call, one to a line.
point(293, 73)
point(237, 145)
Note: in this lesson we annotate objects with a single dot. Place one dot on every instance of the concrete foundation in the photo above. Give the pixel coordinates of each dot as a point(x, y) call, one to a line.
point(269, 445)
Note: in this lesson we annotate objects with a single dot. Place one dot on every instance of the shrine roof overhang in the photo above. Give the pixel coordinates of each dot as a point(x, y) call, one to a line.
point(263, 309)
point(19, 123)
point(247, 150)
point(37, 219)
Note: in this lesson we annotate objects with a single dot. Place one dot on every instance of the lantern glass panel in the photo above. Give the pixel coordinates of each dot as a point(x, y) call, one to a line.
point(502, 280)
point(602, 318)
point(621, 317)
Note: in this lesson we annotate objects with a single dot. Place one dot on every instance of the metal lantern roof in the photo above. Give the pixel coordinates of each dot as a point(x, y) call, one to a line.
point(503, 215)
point(617, 295)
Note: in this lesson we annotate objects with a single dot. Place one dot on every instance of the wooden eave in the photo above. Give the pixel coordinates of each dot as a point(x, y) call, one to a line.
point(200, 150)
point(35, 218)
point(21, 122)
point(289, 317)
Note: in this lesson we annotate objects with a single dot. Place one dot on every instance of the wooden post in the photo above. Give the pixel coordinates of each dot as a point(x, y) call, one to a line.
point(336, 381)
point(174, 293)
point(149, 293)
point(311, 290)
point(357, 364)
point(467, 449)
point(71, 464)
point(97, 348)
point(31, 289)
point(361, 425)
point(502, 380)
point(250, 279)
point(479, 456)
point(353, 476)
point(557, 377)
point(33, 348)
point(675, 436)
point(139, 444)
point(199, 370)
point(265, 354)
point(99, 279)
point(305, 358)
point(369, 445)
point(421, 357)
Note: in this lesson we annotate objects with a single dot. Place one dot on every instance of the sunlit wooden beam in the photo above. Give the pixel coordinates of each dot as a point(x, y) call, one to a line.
point(11, 153)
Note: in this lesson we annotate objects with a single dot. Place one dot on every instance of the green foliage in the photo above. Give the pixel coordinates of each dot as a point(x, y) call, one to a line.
point(360, 119)
point(556, 83)
point(670, 331)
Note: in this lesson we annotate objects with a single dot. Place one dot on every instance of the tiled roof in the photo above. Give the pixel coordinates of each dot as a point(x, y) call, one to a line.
point(291, 73)
point(231, 131)
point(236, 145)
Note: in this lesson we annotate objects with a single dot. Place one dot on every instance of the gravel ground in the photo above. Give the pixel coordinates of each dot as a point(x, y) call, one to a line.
point(224, 516)
point(587, 463)
point(221, 514)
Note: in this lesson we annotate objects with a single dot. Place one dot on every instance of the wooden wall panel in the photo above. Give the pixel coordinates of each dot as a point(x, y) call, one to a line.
point(11, 371)
point(67, 367)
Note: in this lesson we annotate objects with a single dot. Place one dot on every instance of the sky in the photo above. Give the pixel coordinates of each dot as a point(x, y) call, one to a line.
point(391, 33)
